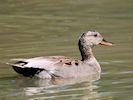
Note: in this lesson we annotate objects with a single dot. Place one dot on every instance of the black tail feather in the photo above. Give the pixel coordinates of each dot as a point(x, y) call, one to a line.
point(28, 72)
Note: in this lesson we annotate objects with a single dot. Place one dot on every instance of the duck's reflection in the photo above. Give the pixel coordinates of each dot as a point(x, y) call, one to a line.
point(81, 88)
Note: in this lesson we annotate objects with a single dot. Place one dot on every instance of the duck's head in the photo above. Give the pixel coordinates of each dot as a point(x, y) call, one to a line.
point(92, 38)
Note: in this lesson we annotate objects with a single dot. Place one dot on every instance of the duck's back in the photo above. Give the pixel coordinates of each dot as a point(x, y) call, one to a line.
point(53, 66)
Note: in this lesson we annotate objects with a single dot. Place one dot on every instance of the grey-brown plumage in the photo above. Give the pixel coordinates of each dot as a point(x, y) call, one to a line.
point(64, 67)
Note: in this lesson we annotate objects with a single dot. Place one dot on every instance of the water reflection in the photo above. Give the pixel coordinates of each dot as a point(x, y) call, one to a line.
point(39, 89)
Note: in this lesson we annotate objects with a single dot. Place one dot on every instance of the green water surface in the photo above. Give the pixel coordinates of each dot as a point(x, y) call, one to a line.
point(31, 28)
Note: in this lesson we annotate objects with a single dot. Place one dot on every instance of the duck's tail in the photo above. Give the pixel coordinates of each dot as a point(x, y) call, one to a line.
point(21, 69)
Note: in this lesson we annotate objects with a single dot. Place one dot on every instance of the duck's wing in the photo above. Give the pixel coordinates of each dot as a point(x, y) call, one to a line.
point(49, 65)
point(38, 62)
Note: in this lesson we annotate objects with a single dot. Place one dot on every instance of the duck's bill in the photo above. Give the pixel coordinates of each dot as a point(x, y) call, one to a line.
point(106, 43)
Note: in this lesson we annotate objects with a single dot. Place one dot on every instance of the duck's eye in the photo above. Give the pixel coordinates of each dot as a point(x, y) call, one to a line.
point(95, 35)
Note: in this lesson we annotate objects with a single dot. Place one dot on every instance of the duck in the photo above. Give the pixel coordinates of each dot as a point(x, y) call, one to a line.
point(48, 67)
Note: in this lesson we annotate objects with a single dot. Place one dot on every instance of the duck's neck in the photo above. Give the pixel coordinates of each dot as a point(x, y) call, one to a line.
point(86, 51)
point(87, 55)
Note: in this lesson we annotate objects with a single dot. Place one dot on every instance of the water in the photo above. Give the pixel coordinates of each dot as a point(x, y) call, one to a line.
point(40, 27)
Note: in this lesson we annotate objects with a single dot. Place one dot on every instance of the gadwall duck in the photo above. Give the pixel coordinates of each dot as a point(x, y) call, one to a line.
point(64, 67)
